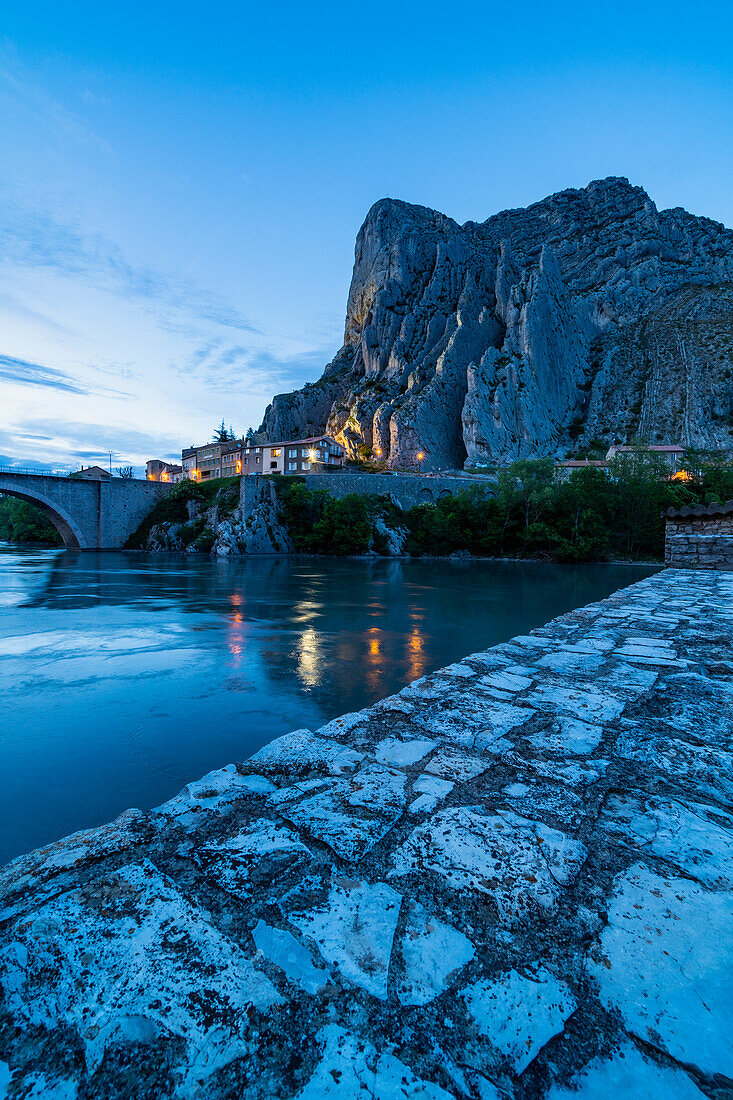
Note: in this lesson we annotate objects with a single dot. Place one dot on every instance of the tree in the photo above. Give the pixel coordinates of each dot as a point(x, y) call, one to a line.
point(22, 523)
point(524, 492)
point(641, 492)
point(125, 472)
point(222, 434)
point(249, 437)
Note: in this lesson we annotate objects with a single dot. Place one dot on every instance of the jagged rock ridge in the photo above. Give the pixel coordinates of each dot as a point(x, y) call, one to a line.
point(589, 315)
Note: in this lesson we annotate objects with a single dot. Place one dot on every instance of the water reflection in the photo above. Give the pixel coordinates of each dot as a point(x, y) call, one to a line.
point(123, 677)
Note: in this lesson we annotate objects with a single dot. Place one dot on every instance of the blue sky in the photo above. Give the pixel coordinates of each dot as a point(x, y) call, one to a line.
point(181, 185)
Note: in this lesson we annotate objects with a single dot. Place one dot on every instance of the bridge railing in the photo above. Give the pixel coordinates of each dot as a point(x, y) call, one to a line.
point(33, 470)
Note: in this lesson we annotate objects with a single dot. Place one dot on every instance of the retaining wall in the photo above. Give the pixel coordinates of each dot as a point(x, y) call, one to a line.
point(406, 490)
point(700, 538)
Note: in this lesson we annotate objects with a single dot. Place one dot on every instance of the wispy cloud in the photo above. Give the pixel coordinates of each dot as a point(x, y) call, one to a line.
point(84, 440)
point(24, 373)
point(222, 366)
point(41, 240)
point(26, 91)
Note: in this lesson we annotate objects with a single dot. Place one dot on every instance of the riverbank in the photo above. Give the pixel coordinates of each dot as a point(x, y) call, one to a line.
point(527, 512)
point(504, 880)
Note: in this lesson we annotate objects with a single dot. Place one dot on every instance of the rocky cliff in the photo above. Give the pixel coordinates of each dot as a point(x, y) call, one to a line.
point(242, 518)
point(589, 315)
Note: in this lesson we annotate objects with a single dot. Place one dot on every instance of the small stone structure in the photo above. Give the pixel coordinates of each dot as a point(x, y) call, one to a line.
point(700, 537)
point(406, 490)
point(513, 879)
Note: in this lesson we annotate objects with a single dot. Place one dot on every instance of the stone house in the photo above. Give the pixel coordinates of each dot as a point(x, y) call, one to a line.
point(671, 453)
point(158, 470)
point(92, 473)
point(700, 537)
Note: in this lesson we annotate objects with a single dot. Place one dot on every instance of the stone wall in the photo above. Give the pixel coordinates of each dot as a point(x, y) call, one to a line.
point(406, 490)
point(513, 879)
point(700, 538)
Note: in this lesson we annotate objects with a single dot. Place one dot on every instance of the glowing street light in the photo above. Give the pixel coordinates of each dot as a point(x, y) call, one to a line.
point(420, 457)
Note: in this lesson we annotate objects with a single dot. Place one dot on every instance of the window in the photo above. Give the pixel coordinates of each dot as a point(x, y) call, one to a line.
point(293, 452)
point(305, 452)
point(305, 465)
point(276, 453)
point(258, 459)
point(273, 465)
point(292, 465)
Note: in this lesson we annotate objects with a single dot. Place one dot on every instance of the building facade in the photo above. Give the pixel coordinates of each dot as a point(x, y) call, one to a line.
point(157, 470)
point(297, 456)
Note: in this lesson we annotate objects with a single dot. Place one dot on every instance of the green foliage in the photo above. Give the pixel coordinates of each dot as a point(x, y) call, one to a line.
point(319, 523)
point(344, 526)
point(20, 522)
point(222, 434)
point(595, 514)
point(710, 472)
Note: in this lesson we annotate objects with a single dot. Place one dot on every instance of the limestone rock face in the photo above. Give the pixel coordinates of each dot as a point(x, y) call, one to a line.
point(590, 314)
point(254, 530)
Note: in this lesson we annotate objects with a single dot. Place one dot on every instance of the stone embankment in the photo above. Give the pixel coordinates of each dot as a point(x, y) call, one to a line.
point(512, 879)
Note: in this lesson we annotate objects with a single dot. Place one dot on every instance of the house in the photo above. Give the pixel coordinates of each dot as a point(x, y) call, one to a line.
point(315, 454)
point(565, 469)
point(92, 473)
point(204, 463)
point(157, 470)
point(671, 452)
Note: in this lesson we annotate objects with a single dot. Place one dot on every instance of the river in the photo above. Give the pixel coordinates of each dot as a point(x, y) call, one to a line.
point(123, 677)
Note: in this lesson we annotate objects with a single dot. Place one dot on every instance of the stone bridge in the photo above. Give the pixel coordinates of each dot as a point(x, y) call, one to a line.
point(89, 515)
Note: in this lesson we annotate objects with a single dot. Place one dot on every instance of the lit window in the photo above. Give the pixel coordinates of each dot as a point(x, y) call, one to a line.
point(276, 452)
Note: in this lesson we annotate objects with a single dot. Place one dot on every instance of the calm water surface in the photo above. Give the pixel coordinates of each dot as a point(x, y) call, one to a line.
point(124, 677)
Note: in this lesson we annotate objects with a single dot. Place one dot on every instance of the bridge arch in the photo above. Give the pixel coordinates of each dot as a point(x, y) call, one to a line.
point(59, 517)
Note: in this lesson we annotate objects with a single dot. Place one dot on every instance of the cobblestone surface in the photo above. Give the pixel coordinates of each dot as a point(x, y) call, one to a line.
point(513, 879)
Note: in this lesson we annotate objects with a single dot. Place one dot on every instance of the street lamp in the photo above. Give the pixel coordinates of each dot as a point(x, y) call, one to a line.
point(420, 457)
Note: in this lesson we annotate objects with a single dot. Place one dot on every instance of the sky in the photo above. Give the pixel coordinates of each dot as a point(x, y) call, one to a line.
point(181, 184)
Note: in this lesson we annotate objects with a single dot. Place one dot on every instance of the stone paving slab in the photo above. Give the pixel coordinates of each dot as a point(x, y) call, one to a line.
point(512, 879)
